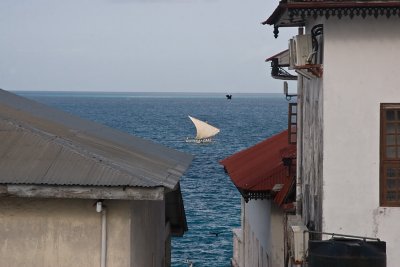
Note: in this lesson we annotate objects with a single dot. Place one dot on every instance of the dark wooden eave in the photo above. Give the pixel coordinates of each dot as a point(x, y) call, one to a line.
point(294, 13)
point(248, 195)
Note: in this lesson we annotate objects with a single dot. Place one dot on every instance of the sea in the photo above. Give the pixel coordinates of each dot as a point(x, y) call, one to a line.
point(212, 203)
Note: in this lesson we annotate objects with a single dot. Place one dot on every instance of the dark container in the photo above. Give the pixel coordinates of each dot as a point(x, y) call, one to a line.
point(345, 252)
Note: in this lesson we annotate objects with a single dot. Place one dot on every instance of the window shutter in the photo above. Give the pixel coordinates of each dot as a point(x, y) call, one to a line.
point(292, 123)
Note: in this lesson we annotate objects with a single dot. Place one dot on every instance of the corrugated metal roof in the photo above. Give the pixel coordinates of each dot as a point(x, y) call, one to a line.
point(260, 167)
point(42, 145)
point(283, 58)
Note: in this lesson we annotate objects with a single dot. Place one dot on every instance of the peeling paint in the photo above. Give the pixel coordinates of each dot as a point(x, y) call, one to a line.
point(375, 223)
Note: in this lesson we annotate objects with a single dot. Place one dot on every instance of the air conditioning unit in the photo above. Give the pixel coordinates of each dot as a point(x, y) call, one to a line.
point(297, 234)
point(300, 50)
point(298, 237)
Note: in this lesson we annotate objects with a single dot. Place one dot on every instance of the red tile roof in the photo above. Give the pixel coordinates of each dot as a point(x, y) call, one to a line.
point(260, 167)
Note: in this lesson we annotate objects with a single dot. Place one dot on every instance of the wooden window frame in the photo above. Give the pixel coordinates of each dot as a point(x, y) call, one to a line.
point(389, 165)
point(292, 123)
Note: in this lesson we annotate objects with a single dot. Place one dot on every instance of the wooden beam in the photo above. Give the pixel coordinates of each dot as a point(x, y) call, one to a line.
point(82, 192)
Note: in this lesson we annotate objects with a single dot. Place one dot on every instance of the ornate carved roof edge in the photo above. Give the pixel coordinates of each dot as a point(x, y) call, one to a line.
point(292, 14)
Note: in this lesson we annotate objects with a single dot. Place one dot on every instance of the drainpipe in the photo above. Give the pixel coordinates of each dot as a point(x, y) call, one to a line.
point(299, 141)
point(244, 245)
point(101, 208)
point(299, 166)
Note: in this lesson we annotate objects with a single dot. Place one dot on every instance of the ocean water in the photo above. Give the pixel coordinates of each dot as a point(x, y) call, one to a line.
point(212, 202)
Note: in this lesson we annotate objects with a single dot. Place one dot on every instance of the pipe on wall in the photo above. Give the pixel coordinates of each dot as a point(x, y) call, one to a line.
point(103, 256)
point(103, 238)
point(299, 173)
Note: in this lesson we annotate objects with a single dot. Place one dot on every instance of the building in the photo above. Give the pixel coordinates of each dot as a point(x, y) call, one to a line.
point(264, 175)
point(348, 116)
point(77, 193)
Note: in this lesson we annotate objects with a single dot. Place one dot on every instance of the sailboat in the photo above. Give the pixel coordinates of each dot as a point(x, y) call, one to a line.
point(204, 130)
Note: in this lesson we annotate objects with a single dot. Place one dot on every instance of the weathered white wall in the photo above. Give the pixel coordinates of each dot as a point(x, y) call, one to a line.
point(310, 114)
point(262, 234)
point(67, 232)
point(360, 72)
point(310, 144)
point(277, 236)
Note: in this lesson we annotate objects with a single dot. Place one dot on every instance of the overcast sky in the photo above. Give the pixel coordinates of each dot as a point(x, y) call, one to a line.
point(138, 45)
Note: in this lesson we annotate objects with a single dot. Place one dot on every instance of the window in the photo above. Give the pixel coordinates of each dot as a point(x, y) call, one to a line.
point(390, 155)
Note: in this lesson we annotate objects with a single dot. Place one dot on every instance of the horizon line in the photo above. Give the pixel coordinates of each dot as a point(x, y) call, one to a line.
point(151, 92)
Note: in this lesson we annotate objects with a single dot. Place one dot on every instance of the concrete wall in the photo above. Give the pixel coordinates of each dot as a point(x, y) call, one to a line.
point(148, 233)
point(61, 232)
point(360, 72)
point(262, 234)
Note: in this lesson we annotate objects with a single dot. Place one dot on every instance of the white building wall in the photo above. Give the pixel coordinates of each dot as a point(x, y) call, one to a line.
point(360, 71)
point(262, 234)
point(257, 213)
point(277, 236)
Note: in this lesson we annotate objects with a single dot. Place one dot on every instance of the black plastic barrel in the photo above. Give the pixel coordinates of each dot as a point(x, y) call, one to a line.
point(345, 252)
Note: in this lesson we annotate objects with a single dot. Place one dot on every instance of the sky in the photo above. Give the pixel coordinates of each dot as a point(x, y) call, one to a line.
point(138, 45)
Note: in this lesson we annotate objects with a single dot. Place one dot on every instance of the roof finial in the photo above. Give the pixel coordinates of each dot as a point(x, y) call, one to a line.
point(276, 31)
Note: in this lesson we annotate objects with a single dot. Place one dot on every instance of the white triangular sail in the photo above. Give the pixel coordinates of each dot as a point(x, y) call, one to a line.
point(204, 130)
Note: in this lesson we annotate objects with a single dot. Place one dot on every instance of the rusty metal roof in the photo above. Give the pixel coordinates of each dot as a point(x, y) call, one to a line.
point(45, 146)
point(260, 167)
point(287, 189)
